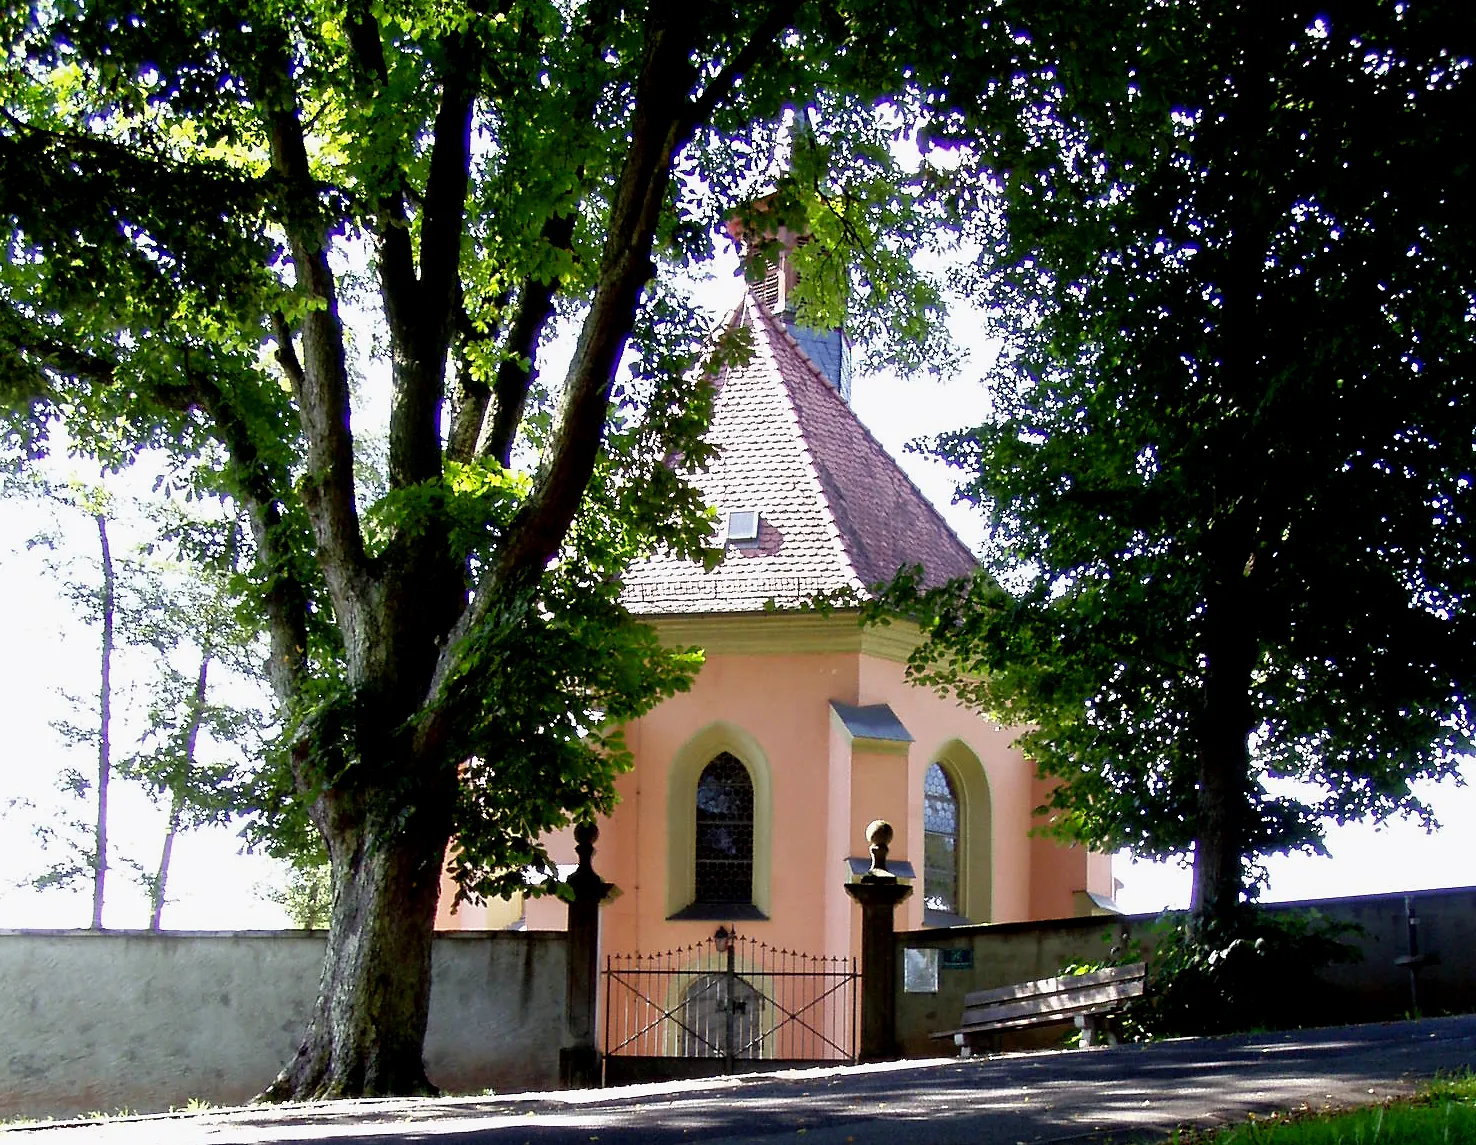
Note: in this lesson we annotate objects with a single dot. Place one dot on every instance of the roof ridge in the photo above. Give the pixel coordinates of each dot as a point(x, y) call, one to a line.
point(834, 532)
point(776, 327)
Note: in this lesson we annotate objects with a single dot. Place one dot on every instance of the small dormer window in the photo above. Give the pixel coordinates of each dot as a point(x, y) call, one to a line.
point(743, 527)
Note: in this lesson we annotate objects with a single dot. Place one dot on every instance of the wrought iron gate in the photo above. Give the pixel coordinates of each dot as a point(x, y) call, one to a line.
point(725, 1005)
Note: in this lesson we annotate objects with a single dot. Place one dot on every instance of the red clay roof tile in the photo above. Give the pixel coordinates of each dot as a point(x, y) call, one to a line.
point(835, 510)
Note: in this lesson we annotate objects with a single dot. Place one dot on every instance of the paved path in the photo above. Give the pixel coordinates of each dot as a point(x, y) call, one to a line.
point(1127, 1092)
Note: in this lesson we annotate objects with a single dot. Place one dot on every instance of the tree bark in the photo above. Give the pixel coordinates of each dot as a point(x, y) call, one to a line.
point(104, 724)
point(402, 615)
point(156, 905)
point(1224, 800)
point(1232, 540)
point(368, 1027)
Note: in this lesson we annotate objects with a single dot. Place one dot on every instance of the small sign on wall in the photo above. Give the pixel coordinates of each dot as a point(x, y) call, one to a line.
point(920, 970)
point(920, 966)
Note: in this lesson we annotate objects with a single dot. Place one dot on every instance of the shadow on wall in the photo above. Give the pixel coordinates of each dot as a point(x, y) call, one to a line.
point(100, 1021)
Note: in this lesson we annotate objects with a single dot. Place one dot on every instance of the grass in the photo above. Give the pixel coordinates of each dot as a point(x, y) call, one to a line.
point(1441, 1113)
point(193, 1105)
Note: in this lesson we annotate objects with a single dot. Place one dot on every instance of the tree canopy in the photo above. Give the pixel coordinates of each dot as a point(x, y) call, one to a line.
point(200, 197)
point(1229, 472)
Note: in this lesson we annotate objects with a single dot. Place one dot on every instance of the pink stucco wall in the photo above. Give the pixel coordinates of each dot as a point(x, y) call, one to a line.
point(794, 737)
point(825, 789)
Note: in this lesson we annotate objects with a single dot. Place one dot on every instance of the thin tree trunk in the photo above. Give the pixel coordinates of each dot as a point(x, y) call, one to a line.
point(368, 1027)
point(197, 713)
point(156, 912)
point(105, 717)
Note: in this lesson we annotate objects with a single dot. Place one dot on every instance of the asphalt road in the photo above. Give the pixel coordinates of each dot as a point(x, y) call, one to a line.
point(1127, 1093)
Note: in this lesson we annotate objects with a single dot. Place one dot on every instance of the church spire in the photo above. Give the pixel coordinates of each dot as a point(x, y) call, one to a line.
point(767, 248)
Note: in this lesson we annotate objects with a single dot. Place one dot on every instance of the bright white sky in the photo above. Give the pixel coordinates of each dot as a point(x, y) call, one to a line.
point(215, 885)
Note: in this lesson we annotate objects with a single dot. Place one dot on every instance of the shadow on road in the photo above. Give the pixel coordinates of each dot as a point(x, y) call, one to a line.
point(1129, 1092)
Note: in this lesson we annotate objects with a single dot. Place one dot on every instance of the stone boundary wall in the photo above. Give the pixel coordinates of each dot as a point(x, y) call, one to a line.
point(101, 1021)
point(1375, 989)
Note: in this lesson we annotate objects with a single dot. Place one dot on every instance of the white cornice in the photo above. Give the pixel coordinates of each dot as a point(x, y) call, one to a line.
point(785, 633)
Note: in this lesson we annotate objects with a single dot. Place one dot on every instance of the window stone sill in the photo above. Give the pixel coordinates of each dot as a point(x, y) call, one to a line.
point(719, 912)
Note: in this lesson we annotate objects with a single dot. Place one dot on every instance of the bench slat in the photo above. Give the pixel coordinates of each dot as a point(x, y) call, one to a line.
point(1067, 1001)
point(1055, 985)
point(1048, 1000)
point(967, 1032)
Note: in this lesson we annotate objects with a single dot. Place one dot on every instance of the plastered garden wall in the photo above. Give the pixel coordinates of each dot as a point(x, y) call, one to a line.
point(103, 1021)
point(1373, 989)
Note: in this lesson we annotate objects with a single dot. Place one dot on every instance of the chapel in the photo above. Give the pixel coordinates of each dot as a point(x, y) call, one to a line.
point(750, 795)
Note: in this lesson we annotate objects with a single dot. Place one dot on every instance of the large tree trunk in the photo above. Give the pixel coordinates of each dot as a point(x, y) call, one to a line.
point(1224, 802)
point(1232, 608)
point(1219, 844)
point(368, 1027)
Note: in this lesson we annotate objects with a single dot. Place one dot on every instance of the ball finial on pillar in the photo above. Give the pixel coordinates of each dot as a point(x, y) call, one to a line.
point(879, 835)
point(585, 836)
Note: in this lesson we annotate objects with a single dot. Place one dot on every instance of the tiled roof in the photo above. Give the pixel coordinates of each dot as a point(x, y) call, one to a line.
point(835, 510)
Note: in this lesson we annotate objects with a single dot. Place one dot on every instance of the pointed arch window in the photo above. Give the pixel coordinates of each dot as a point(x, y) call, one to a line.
point(940, 841)
point(724, 849)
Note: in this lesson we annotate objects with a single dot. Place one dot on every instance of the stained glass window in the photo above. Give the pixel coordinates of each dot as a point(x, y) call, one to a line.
point(940, 841)
point(725, 832)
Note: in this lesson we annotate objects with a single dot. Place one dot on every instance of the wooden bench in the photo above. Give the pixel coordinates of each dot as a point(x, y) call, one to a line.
point(1088, 999)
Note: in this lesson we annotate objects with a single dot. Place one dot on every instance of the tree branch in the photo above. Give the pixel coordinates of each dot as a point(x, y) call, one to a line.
point(287, 352)
point(396, 258)
point(425, 335)
point(779, 18)
point(443, 215)
point(470, 399)
point(321, 383)
point(261, 492)
point(539, 527)
point(469, 435)
point(534, 310)
point(664, 121)
point(52, 355)
point(656, 133)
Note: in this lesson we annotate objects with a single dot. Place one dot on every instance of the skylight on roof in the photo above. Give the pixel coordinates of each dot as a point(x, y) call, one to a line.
point(743, 526)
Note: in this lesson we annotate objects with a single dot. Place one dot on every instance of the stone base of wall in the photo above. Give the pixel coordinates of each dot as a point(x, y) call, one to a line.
point(102, 1021)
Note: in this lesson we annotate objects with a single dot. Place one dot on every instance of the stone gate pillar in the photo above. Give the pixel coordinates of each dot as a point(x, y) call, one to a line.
point(878, 892)
point(579, 1059)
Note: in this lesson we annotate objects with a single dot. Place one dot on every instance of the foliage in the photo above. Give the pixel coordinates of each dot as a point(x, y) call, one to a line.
point(164, 612)
point(1228, 474)
point(208, 207)
point(1256, 971)
point(307, 894)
